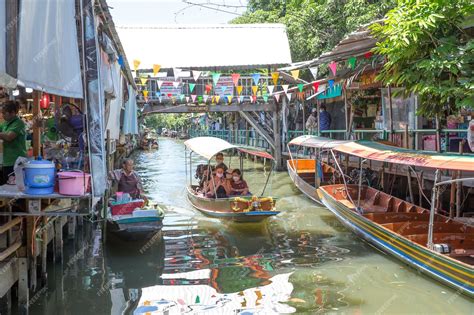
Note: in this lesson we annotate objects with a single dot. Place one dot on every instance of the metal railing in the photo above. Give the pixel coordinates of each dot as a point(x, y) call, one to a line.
point(418, 139)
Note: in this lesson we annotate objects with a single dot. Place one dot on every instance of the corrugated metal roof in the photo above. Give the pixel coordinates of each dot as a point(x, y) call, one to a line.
point(211, 47)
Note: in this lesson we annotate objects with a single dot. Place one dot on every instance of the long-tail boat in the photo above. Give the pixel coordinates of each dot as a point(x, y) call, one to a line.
point(235, 208)
point(309, 173)
point(435, 244)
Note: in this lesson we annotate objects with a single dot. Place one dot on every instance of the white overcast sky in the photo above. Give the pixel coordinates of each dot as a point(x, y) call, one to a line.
point(149, 12)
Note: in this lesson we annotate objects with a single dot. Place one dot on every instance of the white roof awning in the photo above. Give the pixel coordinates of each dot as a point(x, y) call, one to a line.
point(211, 47)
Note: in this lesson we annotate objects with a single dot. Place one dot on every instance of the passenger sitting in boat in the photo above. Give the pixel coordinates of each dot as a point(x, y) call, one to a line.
point(128, 180)
point(218, 186)
point(238, 185)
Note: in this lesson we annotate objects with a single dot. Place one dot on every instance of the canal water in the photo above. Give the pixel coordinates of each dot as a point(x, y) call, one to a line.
point(301, 261)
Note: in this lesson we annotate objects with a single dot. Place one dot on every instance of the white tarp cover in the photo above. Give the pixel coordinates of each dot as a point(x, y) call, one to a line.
point(113, 122)
point(130, 122)
point(48, 57)
point(5, 79)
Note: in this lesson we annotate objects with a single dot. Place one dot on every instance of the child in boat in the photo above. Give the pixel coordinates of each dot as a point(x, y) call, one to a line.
point(218, 186)
point(239, 186)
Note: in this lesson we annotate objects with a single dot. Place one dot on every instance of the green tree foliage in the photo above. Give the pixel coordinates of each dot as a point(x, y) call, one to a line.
point(169, 121)
point(315, 26)
point(429, 53)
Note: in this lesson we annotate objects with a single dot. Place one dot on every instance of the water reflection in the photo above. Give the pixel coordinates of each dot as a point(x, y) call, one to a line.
point(300, 261)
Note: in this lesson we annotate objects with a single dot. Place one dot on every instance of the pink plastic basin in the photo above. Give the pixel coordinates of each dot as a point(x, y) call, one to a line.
point(73, 183)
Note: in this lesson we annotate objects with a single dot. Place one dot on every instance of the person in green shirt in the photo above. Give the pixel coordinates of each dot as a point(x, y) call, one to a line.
point(13, 134)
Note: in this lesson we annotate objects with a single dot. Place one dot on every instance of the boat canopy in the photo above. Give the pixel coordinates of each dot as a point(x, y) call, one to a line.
point(384, 153)
point(261, 154)
point(209, 146)
point(317, 142)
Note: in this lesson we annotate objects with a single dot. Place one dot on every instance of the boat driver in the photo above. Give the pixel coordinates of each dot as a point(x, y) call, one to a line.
point(128, 180)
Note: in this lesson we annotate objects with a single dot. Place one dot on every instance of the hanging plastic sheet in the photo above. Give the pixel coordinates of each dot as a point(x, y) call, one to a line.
point(113, 122)
point(95, 103)
point(5, 79)
point(48, 57)
point(130, 123)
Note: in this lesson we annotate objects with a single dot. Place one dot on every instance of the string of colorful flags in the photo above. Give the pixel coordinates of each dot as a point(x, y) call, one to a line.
point(225, 92)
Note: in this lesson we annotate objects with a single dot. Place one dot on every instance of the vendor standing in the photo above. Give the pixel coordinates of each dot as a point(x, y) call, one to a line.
point(128, 180)
point(13, 134)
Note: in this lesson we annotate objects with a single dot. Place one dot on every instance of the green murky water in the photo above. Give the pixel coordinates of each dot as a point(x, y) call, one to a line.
point(301, 261)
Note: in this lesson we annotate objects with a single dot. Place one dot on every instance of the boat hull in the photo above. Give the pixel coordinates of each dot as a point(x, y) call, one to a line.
point(222, 208)
point(134, 229)
point(453, 273)
point(302, 185)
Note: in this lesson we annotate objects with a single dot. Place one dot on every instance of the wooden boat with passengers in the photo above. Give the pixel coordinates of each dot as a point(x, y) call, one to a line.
point(234, 208)
point(437, 245)
point(309, 173)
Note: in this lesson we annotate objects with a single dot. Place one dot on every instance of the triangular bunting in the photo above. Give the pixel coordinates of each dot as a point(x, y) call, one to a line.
point(239, 89)
point(229, 98)
point(352, 62)
point(208, 88)
point(254, 89)
point(205, 97)
point(224, 88)
point(271, 88)
point(254, 98)
point(331, 83)
point(333, 67)
point(158, 94)
point(156, 69)
point(314, 72)
point(235, 78)
point(196, 75)
point(143, 80)
point(265, 98)
point(176, 73)
point(275, 76)
point(316, 86)
point(193, 97)
point(215, 77)
point(191, 87)
point(136, 63)
point(217, 98)
point(256, 78)
point(145, 93)
point(295, 74)
point(175, 84)
point(368, 54)
point(181, 97)
point(285, 88)
point(300, 87)
point(277, 97)
point(289, 96)
point(187, 99)
point(160, 99)
point(241, 99)
point(160, 83)
point(200, 98)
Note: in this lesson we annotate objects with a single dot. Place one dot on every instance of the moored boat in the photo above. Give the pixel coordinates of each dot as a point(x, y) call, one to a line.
point(437, 245)
point(234, 208)
point(309, 173)
point(133, 221)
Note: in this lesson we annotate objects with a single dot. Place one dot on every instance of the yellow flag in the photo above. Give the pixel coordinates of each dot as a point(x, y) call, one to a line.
point(136, 63)
point(275, 76)
point(239, 89)
point(143, 80)
point(295, 74)
point(217, 99)
point(229, 98)
point(156, 69)
point(145, 93)
point(254, 89)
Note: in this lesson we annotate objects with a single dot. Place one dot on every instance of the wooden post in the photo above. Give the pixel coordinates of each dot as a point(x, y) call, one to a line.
point(58, 239)
point(438, 135)
point(31, 250)
point(459, 185)
point(420, 190)
point(346, 114)
point(410, 190)
point(277, 135)
point(405, 138)
point(11, 37)
point(36, 124)
point(23, 290)
point(304, 118)
point(318, 107)
point(390, 111)
point(71, 227)
point(44, 251)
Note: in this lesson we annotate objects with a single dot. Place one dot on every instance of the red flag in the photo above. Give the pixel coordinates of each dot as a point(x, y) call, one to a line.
point(368, 54)
point(208, 87)
point(316, 86)
point(235, 78)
